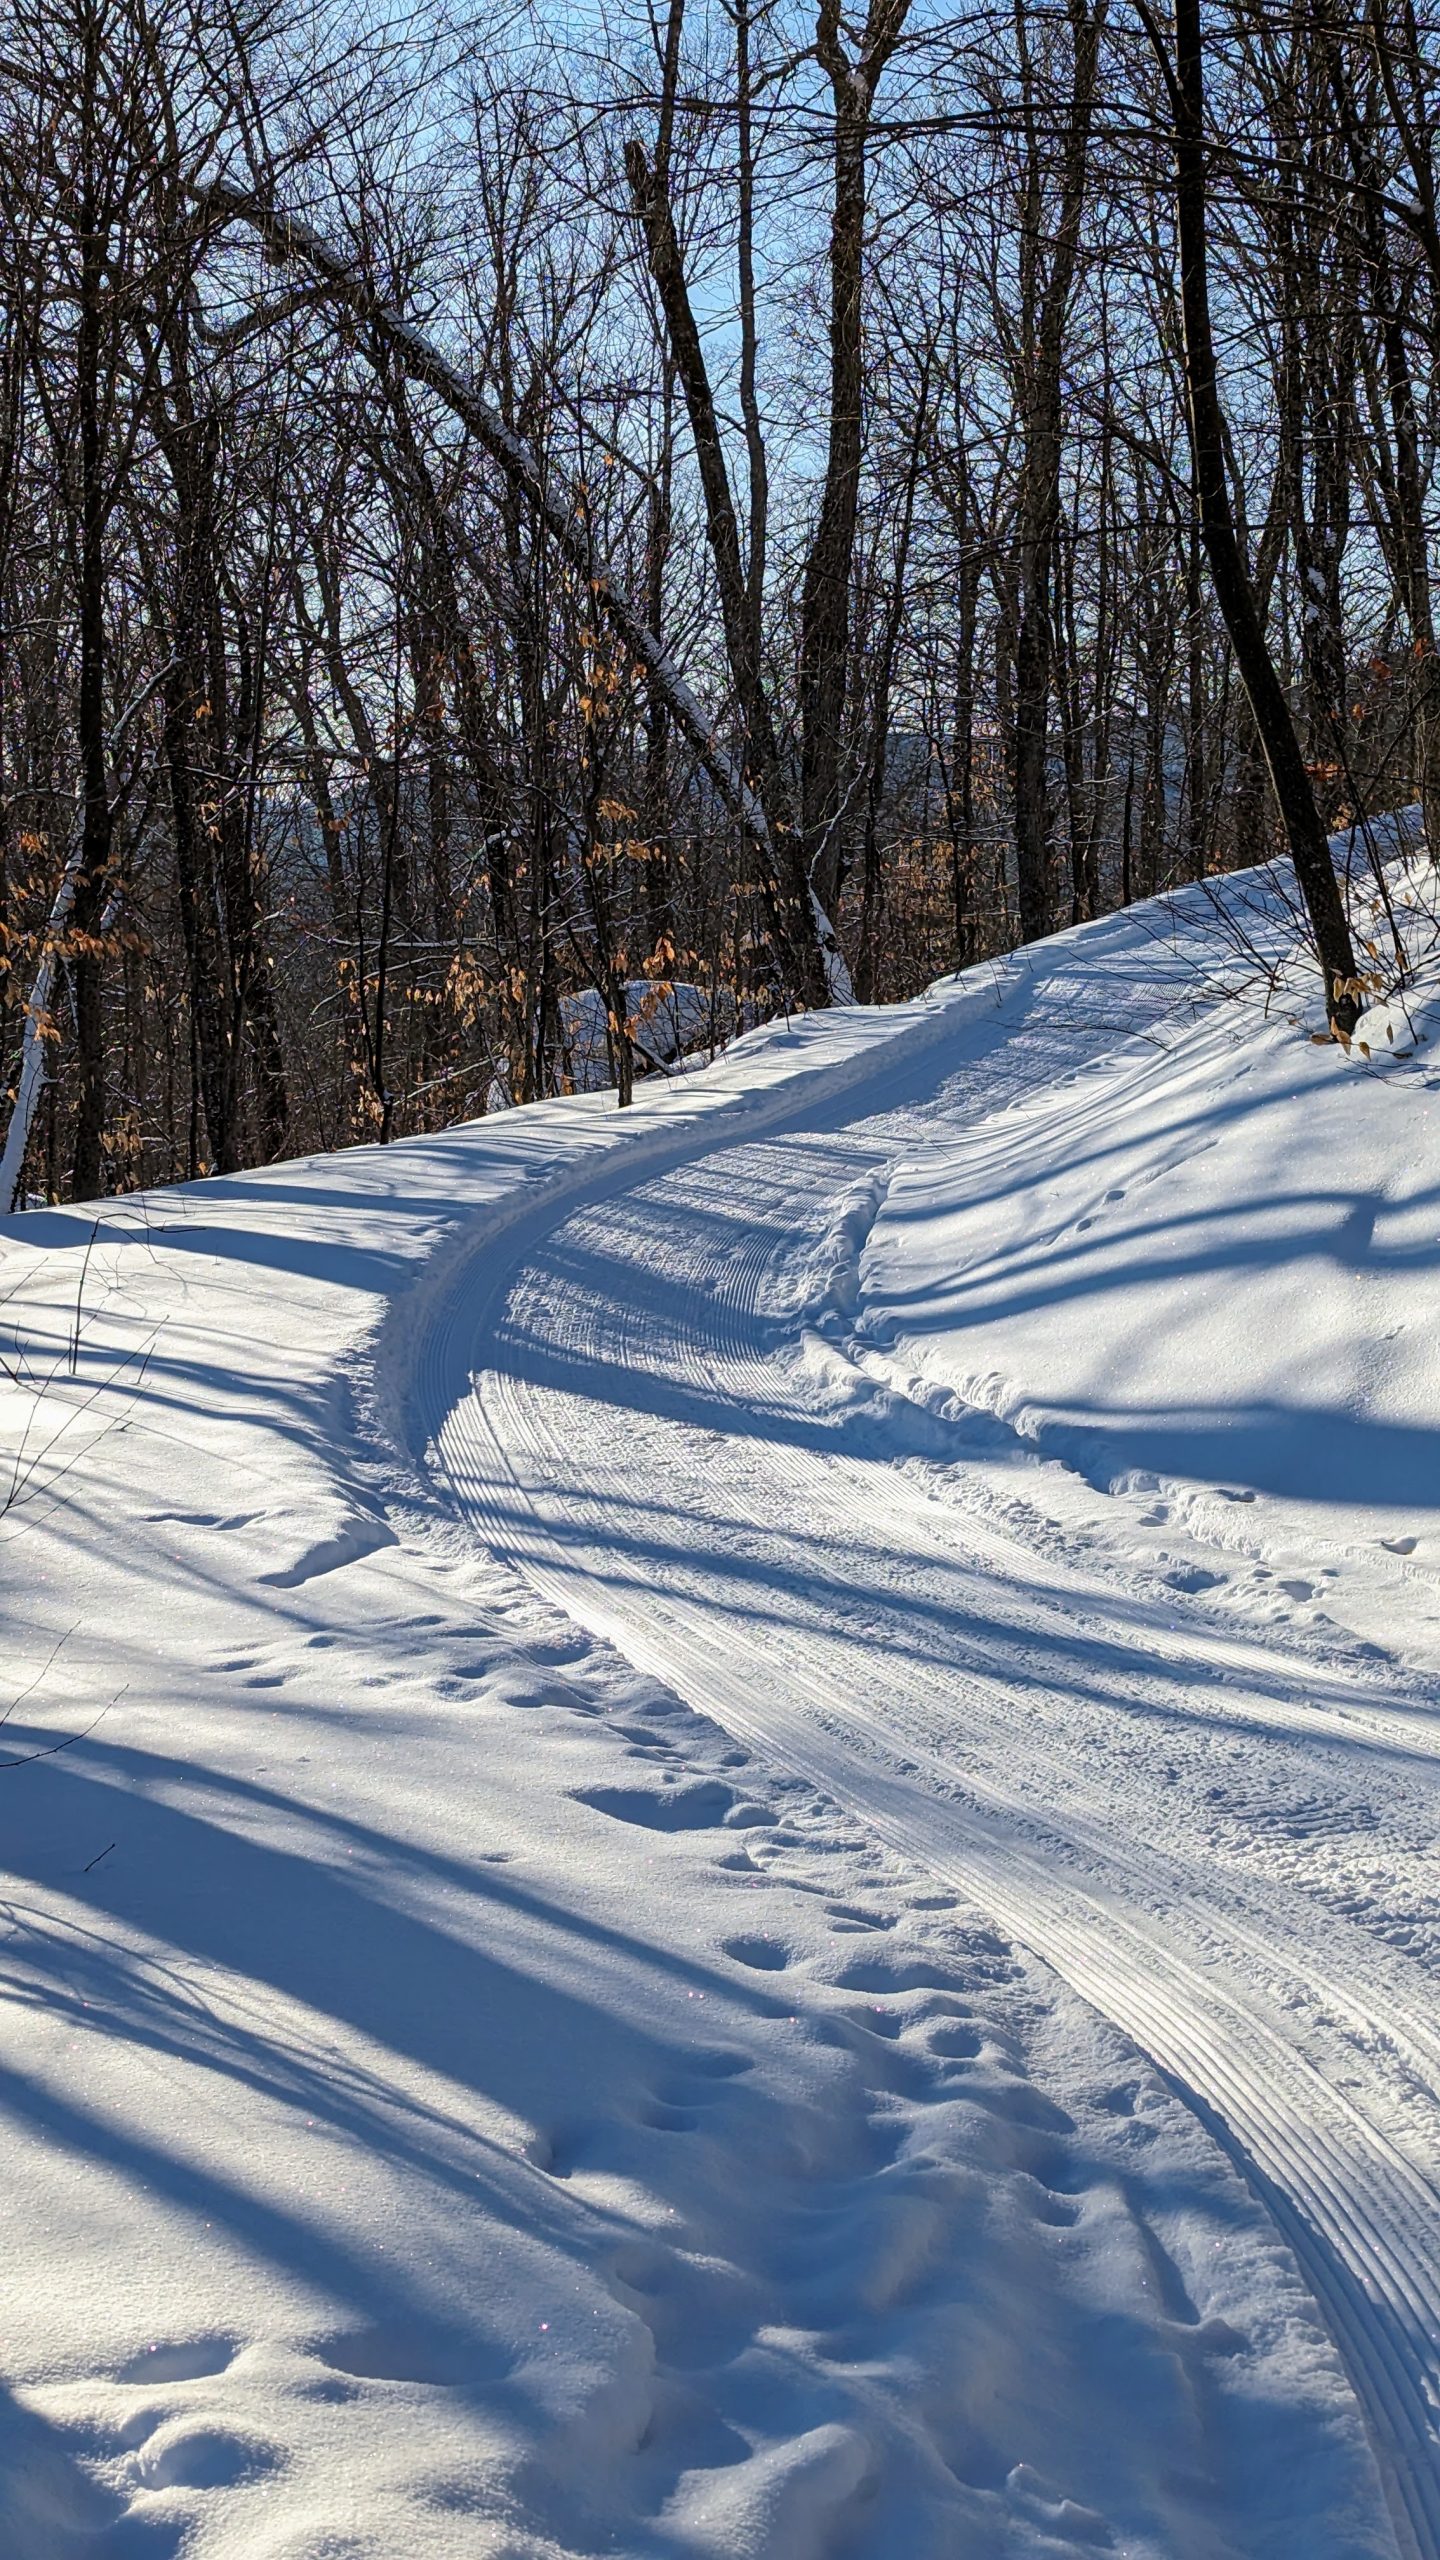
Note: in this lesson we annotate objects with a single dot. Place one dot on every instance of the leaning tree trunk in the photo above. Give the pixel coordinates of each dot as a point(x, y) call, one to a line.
point(1275, 726)
point(563, 517)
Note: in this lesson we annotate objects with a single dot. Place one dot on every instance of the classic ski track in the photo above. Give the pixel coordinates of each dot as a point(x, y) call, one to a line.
point(1117, 1923)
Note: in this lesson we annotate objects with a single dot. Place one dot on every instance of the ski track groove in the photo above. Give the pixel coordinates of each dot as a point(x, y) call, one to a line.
point(546, 1474)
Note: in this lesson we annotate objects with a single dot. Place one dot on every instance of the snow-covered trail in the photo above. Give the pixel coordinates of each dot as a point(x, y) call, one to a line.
point(651, 1398)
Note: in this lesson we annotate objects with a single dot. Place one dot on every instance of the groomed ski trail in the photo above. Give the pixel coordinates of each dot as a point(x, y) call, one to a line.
point(620, 1394)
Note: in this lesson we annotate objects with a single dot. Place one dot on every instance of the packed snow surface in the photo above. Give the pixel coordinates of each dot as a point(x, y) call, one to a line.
point(735, 1857)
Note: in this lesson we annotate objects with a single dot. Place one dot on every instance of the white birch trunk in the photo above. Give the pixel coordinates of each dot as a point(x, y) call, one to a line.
point(33, 1078)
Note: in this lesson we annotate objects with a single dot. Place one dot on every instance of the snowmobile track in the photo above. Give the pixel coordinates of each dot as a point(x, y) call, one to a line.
point(612, 1397)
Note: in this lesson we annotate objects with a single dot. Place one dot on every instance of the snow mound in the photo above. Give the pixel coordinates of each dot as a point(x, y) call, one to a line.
point(1398, 1028)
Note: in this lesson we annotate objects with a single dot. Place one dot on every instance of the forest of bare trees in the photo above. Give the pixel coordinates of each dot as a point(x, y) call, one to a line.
point(503, 520)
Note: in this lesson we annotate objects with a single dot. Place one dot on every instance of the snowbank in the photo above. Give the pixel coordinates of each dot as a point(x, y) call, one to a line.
point(1204, 1279)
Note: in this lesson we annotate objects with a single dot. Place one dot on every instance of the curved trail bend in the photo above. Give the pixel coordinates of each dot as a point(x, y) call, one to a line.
point(637, 1397)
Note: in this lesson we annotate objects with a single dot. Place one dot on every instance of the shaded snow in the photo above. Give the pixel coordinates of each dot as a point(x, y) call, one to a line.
point(462, 2099)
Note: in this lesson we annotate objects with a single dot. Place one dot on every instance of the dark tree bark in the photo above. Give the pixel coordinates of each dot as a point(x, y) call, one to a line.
point(1045, 297)
point(825, 604)
point(1275, 726)
point(786, 881)
point(87, 1171)
point(1394, 413)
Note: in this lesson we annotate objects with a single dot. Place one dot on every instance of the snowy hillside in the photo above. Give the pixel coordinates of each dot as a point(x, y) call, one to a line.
point(720, 1824)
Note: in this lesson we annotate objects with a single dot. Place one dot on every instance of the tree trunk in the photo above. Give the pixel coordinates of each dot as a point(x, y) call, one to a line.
point(1046, 312)
point(825, 602)
point(1305, 835)
point(785, 884)
point(88, 1162)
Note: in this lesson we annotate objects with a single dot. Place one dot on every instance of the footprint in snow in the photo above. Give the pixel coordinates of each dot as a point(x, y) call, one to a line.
point(352, 1541)
point(762, 1955)
point(399, 2351)
point(954, 2040)
point(180, 2360)
point(893, 1970)
point(1019, 2102)
point(701, 1806)
point(191, 2453)
point(555, 1651)
point(657, 2117)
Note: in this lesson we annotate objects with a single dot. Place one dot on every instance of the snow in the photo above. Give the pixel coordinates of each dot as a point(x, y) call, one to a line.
point(666, 1019)
point(737, 1858)
point(1394, 1029)
point(1205, 1280)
